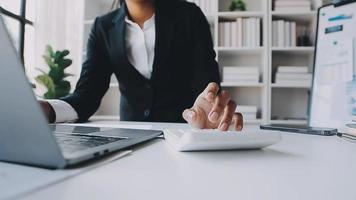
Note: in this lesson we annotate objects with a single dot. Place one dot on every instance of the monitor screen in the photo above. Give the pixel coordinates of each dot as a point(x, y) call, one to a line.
point(333, 102)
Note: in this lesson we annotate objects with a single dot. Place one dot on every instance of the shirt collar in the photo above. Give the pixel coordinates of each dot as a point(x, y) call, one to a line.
point(148, 23)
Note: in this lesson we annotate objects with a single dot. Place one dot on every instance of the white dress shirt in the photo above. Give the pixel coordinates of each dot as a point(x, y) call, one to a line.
point(140, 45)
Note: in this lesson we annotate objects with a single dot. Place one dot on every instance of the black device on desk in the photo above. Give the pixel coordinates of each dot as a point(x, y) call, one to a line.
point(333, 95)
point(300, 129)
point(25, 136)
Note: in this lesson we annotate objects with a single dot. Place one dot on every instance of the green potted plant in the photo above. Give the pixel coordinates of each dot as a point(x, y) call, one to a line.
point(237, 5)
point(54, 80)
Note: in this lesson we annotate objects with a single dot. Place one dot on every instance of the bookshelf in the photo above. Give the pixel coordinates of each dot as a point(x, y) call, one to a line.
point(288, 103)
point(254, 94)
point(277, 103)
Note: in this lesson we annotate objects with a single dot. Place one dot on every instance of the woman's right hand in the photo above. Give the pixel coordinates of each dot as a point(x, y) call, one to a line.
point(214, 110)
point(48, 111)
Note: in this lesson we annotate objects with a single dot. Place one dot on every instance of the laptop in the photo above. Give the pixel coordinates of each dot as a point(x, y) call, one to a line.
point(333, 98)
point(26, 137)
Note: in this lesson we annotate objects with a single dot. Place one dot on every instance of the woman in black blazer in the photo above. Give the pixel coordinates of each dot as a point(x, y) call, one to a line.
point(184, 64)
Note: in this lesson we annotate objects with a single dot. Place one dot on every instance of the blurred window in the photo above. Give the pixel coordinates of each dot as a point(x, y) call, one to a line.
point(19, 16)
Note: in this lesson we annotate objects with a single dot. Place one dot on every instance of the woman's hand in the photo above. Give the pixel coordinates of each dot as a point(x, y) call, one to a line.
point(214, 110)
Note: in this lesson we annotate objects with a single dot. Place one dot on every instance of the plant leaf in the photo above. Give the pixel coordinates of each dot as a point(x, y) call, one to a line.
point(49, 61)
point(57, 56)
point(54, 80)
point(49, 95)
point(46, 81)
point(64, 63)
point(62, 89)
point(64, 53)
point(49, 51)
point(67, 75)
point(57, 74)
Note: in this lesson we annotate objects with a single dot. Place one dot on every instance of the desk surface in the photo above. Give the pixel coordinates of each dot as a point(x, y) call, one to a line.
point(299, 167)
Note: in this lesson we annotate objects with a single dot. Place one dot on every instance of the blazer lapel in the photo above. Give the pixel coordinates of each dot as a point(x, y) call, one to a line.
point(117, 38)
point(118, 45)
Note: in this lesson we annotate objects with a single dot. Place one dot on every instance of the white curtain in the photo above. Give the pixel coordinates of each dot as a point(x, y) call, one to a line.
point(60, 24)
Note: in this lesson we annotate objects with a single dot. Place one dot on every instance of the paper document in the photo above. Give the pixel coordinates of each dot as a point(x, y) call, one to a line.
point(335, 61)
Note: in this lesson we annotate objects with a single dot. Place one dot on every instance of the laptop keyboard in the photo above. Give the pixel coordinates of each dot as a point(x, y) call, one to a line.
point(70, 143)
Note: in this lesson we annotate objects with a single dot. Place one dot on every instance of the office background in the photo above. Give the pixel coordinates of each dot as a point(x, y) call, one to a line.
point(256, 52)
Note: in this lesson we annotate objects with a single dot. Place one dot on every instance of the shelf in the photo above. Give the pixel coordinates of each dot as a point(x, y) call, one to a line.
point(305, 16)
point(243, 50)
point(296, 122)
point(210, 15)
point(242, 84)
point(240, 48)
point(296, 50)
point(234, 15)
point(305, 86)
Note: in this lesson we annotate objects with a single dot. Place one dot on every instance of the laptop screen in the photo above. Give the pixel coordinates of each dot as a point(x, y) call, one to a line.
point(333, 102)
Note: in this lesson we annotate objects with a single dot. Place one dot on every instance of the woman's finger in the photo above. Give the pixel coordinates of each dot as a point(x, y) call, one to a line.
point(193, 118)
point(228, 116)
point(221, 102)
point(210, 92)
point(238, 118)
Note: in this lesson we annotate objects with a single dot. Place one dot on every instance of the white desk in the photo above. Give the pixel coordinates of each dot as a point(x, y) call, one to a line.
point(299, 167)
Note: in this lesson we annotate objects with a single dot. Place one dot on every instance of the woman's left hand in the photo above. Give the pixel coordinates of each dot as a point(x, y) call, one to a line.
point(214, 110)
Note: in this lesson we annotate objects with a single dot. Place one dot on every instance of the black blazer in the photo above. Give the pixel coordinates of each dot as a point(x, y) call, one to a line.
point(184, 64)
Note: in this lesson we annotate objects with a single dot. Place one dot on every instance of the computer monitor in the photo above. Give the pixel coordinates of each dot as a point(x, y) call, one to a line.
point(333, 99)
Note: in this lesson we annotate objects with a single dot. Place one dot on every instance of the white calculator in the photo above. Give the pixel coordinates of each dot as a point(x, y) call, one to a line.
point(211, 139)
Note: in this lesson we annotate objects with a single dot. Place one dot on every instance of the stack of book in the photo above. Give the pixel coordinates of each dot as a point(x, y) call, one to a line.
point(284, 33)
point(243, 32)
point(207, 6)
point(240, 75)
point(289, 75)
point(292, 5)
point(248, 112)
